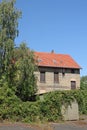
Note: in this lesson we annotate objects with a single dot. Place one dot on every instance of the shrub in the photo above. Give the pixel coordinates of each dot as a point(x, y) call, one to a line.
point(48, 109)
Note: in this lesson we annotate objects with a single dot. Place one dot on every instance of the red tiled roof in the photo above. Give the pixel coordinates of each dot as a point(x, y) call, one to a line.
point(56, 60)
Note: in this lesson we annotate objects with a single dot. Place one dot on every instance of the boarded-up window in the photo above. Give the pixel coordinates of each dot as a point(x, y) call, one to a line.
point(56, 77)
point(73, 84)
point(42, 77)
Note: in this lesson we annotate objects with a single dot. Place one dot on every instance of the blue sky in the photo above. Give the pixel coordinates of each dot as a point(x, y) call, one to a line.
point(59, 25)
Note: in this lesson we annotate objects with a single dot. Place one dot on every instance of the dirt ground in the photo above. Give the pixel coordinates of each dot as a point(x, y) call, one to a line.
point(68, 125)
point(71, 125)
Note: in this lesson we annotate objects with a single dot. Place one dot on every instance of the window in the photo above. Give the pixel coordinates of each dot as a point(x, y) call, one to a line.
point(73, 84)
point(56, 77)
point(42, 77)
point(63, 74)
point(72, 71)
point(63, 70)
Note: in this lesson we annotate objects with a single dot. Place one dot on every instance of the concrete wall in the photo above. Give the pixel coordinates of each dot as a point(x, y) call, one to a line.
point(70, 112)
point(64, 80)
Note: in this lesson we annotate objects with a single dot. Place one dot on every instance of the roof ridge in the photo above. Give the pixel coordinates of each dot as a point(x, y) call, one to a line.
point(51, 53)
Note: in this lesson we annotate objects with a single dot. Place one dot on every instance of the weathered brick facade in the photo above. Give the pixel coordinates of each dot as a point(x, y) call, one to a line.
point(65, 79)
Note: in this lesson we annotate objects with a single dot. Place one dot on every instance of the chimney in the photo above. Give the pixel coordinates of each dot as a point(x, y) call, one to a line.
point(52, 51)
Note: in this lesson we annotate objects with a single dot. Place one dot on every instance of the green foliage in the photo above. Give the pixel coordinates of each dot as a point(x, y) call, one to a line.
point(8, 20)
point(26, 80)
point(17, 66)
point(48, 109)
point(83, 83)
point(81, 97)
point(30, 111)
point(52, 104)
point(12, 108)
point(9, 16)
point(7, 99)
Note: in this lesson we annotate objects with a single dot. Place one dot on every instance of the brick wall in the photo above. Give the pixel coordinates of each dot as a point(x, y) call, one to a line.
point(64, 80)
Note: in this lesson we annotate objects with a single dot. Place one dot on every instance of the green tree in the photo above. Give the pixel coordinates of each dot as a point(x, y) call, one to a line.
point(83, 83)
point(25, 79)
point(9, 16)
point(17, 66)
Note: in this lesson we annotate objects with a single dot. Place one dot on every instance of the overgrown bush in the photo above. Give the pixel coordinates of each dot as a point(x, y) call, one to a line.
point(81, 97)
point(53, 101)
point(12, 108)
point(48, 109)
point(52, 104)
point(83, 83)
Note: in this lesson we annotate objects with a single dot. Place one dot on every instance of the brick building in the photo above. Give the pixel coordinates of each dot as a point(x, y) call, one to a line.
point(57, 72)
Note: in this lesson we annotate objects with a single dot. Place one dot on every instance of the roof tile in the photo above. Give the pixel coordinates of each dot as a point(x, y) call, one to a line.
point(56, 60)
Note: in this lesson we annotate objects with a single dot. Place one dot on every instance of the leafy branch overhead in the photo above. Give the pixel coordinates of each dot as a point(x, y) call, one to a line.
point(17, 66)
